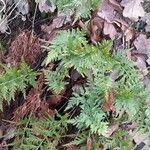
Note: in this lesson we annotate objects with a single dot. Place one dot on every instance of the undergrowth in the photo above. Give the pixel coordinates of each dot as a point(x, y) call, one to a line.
point(110, 71)
point(35, 134)
point(113, 85)
point(81, 9)
point(15, 79)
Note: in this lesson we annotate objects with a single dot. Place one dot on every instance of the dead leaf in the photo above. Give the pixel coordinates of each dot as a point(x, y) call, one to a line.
point(108, 104)
point(51, 30)
point(111, 14)
point(146, 82)
point(141, 64)
point(142, 45)
point(95, 29)
point(46, 6)
point(129, 34)
point(128, 126)
point(146, 18)
point(133, 9)
point(110, 30)
point(89, 144)
point(110, 130)
point(55, 99)
point(32, 103)
point(140, 136)
point(22, 6)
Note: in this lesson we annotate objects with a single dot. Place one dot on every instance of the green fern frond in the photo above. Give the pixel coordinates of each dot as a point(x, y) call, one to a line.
point(14, 79)
point(39, 134)
point(91, 115)
point(56, 79)
point(80, 138)
point(81, 8)
point(75, 52)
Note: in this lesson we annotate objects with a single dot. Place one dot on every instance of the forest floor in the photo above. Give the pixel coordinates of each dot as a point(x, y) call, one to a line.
point(27, 29)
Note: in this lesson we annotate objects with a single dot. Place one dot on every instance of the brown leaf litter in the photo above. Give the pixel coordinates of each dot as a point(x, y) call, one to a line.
point(25, 46)
point(33, 103)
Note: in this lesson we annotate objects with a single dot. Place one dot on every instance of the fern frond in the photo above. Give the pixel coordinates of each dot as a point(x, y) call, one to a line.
point(39, 134)
point(56, 79)
point(81, 8)
point(90, 114)
point(75, 52)
point(14, 79)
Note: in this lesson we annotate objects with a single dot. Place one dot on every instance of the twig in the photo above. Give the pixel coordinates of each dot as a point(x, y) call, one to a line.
point(34, 20)
point(4, 5)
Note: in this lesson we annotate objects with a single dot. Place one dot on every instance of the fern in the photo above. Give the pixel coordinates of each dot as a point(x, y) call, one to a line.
point(74, 51)
point(81, 8)
point(90, 114)
point(15, 79)
point(79, 139)
point(55, 79)
point(39, 134)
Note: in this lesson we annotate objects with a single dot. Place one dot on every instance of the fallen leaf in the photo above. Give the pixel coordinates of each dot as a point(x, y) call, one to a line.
point(133, 9)
point(95, 29)
point(51, 30)
point(110, 130)
point(129, 34)
point(22, 6)
point(140, 136)
point(146, 18)
point(146, 81)
point(46, 6)
point(116, 3)
point(45, 111)
point(142, 45)
point(110, 30)
point(55, 98)
point(128, 126)
point(141, 64)
point(111, 14)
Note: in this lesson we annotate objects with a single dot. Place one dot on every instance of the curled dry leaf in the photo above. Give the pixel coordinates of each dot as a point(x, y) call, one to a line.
point(146, 82)
point(139, 137)
point(115, 3)
point(133, 9)
point(58, 22)
point(110, 30)
point(45, 111)
point(95, 29)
